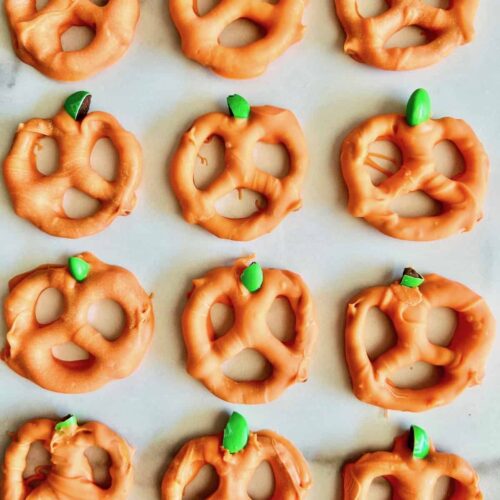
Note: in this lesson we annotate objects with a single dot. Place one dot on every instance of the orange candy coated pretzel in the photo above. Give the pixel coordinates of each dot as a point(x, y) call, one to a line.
point(69, 476)
point(410, 478)
point(235, 471)
point(29, 344)
point(200, 34)
point(366, 37)
point(266, 124)
point(206, 354)
point(462, 361)
point(36, 36)
point(461, 197)
point(39, 198)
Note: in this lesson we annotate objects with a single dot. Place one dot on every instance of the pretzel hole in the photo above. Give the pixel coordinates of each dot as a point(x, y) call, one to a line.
point(420, 375)
point(438, 4)
point(416, 204)
point(41, 4)
point(448, 159)
point(49, 306)
point(272, 158)
point(384, 159)
point(104, 159)
point(444, 488)
point(77, 38)
point(281, 320)
point(71, 355)
point(380, 489)
point(203, 485)
point(99, 461)
point(108, 318)
point(441, 325)
point(202, 7)
point(78, 205)
point(100, 3)
point(37, 460)
point(240, 203)
point(221, 319)
point(262, 484)
point(248, 365)
point(210, 162)
point(409, 36)
point(241, 33)
point(47, 155)
point(379, 334)
point(371, 8)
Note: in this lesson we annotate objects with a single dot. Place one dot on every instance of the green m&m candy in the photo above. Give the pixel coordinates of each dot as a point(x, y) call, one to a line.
point(238, 106)
point(67, 421)
point(78, 268)
point(411, 278)
point(418, 108)
point(236, 433)
point(252, 277)
point(77, 105)
point(419, 442)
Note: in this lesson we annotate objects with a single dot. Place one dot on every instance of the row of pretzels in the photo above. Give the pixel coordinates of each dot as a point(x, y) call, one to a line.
point(36, 33)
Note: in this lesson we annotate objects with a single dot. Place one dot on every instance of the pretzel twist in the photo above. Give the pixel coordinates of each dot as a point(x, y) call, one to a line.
point(366, 37)
point(200, 35)
point(461, 197)
point(39, 198)
point(462, 361)
point(410, 478)
point(290, 470)
point(206, 353)
point(36, 36)
point(266, 124)
point(29, 344)
point(69, 476)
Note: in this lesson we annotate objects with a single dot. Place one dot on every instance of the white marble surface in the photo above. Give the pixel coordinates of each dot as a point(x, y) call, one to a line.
point(155, 92)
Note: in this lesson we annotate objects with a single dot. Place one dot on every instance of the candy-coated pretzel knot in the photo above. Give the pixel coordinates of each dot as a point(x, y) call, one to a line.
point(36, 35)
point(206, 353)
point(461, 197)
point(200, 35)
point(462, 361)
point(69, 476)
point(39, 198)
point(266, 124)
point(29, 344)
point(235, 471)
point(410, 478)
point(366, 37)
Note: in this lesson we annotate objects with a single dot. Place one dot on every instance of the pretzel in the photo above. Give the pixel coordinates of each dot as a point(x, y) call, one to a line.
point(36, 35)
point(206, 354)
point(265, 124)
point(410, 478)
point(461, 197)
point(28, 349)
point(235, 471)
point(462, 361)
point(69, 476)
point(200, 35)
point(39, 198)
point(366, 37)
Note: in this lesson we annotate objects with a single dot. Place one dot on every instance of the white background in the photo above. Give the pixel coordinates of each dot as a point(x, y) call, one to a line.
point(155, 93)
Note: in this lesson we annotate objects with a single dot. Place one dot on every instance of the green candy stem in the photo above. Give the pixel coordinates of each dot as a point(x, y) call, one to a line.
point(418, 108)
point(78, 268)
point(238, 106)
point(236, 433)
point(411, 278)
point(419, 442)
point(77, 105)
point(67, 421)
point(252, 277)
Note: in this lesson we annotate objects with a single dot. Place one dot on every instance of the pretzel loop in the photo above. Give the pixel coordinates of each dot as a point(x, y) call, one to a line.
point(366, 37)
point(206, 354)
point(29, 345)
point(462, 361)
point(36, 34)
